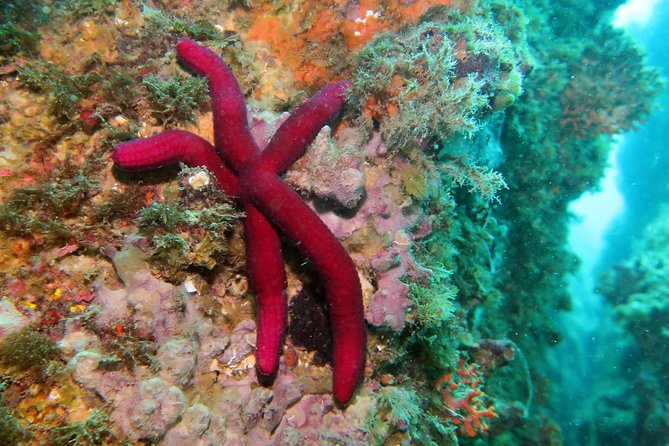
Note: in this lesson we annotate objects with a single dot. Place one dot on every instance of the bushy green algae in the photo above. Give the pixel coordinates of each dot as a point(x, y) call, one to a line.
point(436, 79)
point(637, 289)
point(444, 320)
point(403, 409)
point(11, 431)
point(95, 430)
point(504, 267)
point(15, 39)
point(27, 350)
point(193, 229)
point(44, 207)
point(63, 90)
point(555, 149)
point(548, 163)
point(177, 98)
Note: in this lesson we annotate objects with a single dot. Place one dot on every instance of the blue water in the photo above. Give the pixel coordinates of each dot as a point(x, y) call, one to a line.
point(610, 392)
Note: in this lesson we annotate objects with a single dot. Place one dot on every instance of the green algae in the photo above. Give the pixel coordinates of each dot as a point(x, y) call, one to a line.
point(62, 89)
point(94, 430)
point(27, 350)
point(176, 99)
point(498, 269)
point(398, 408)
point(43, 208)
point(11, 431)
point(193, 229)
point(442, 77)
point(14, 40)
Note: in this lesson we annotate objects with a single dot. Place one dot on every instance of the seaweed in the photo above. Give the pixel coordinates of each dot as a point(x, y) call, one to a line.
point(193, 235)
point(11, 431)
point(94, 430)
point(198, 30)
point(401, 409)
point(84, 8)
point(27, 350)
point(15, 40)
point(176, 99)
point(63, 90)
point(435, 80)
point(43, 207)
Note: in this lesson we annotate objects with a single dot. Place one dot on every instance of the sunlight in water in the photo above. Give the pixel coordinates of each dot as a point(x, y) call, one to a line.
point(634, 12)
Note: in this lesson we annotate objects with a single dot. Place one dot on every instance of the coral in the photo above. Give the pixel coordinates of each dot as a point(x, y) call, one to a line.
point(462, 395)
point(266, 198)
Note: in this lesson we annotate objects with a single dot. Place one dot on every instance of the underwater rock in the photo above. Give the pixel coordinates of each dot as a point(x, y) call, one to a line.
point(77, 340)
point(113, 305)
point(150, 409)
point(331, 170)
point(242, 343)
point(159, 309)
point(86, 371)
point(316, 420)
point(177, 361)
point(11, 319)
point(190, 430)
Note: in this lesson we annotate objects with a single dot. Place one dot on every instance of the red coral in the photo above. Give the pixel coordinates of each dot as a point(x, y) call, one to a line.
point(463, 398)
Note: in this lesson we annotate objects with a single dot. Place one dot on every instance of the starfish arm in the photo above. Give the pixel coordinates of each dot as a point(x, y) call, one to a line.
point(302, 226)
point(231, 128)
point(267, 277)
point(293, 137)
point(172, 147)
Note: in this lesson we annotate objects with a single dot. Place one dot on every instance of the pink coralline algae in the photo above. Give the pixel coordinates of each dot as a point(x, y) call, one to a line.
point(385, 216)
point(205, 391)
point(243, 170)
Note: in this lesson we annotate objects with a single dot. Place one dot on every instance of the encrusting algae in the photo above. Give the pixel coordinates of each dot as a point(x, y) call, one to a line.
point(126, 315)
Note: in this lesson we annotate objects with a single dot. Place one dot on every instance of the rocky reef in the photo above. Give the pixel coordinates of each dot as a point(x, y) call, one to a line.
point(126, 315)
point(635, 290)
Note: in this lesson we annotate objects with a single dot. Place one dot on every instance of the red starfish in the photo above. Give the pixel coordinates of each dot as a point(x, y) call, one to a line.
point(244, 171)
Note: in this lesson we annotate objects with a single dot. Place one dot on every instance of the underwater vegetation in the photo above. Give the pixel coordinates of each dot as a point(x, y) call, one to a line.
point(128, 314)
point(636, 290)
